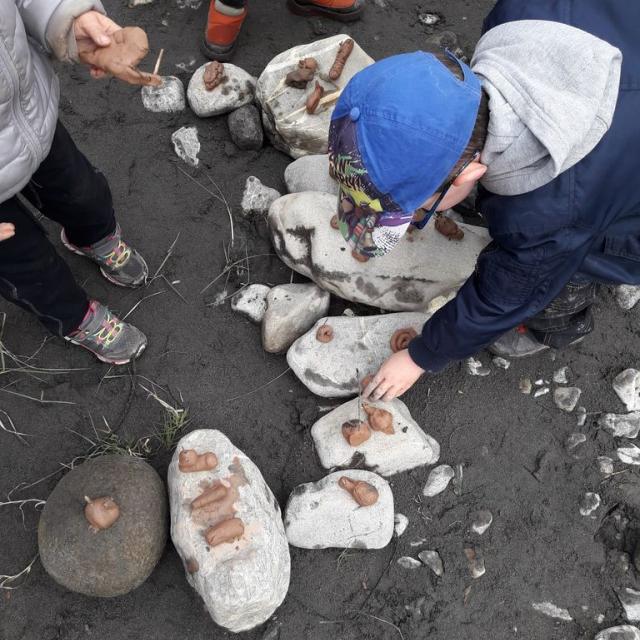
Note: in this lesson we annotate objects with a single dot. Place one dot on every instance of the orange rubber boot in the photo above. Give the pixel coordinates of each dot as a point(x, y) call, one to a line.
point(342, 10)
point(223, 29)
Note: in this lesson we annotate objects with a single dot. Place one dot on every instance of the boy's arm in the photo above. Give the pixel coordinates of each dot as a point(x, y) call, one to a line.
point(50, 22)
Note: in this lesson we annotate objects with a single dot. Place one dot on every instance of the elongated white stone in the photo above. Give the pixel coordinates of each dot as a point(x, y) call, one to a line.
point(552, 611)
point(627, 386)
point(622, 632)
point(438, 480)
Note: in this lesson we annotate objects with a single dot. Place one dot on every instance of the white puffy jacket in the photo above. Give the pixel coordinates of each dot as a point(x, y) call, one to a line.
point(31, 31)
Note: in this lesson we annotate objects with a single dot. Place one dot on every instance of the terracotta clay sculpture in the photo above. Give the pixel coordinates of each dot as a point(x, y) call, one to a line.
point(101, 513)
point(379, 419)
point(362, 492)
point(359, 257)
point(190, 462)
point(334, 223)
point(342, 56)
point(121, 57)
point(448, 228)
point(225, 531)
point(356, 432)
point(214, 75)
point(314, 98)
point(214, 493)
point(192, 566)
point(401, 338)
point(300, 77)
point(324, 333)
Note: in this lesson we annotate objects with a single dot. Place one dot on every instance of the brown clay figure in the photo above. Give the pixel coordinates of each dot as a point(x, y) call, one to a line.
point(212, 494)
point(214, 75)
point(355, 432)
point(359, 257)
point(379, 419)
point(401, 338)
point(448, 228)
point(344, 51)
point(101, 513)
point(324, 333)
point(334, 223)
point(362, 492)
point(190, 462)
point(225, 531)
point(122, 56)
point(300, 77)
point(314, 98)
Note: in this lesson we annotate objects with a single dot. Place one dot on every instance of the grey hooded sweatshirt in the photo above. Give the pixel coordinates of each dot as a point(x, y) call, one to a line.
point(31, 31)
point(552, 94)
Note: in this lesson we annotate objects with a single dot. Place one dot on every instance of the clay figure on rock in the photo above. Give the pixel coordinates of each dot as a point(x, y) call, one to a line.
point(190, 461)
point(101, 513)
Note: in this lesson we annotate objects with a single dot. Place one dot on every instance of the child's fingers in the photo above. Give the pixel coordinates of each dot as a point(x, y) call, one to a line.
point(7, 230)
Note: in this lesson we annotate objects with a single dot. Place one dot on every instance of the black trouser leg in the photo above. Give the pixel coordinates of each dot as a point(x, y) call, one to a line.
point(35, 277)
point(567, 318)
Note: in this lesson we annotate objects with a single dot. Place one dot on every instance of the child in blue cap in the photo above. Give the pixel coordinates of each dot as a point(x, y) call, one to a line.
point(545, 118)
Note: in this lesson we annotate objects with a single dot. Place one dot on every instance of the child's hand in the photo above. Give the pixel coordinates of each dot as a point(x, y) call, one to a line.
point(92, 31)
point(397, 375)
point(7, 230)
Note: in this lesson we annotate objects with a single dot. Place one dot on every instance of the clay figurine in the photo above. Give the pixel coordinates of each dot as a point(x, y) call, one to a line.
point(334, 223)
point(379, 419)
point(314, 98)
point(190, 462)
point(225, 531)
point(324, 333)
point(213, 75)
point(355, 432)
point(342, 56)
point(212, 494)
point(300, 77)
point(448, 228)
point(359, 257)
point(101, 513)
point(362, 492)
point(401, 338)
point(121, 57)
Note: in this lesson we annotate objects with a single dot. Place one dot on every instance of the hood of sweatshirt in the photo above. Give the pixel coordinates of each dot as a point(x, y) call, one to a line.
point(552, 94)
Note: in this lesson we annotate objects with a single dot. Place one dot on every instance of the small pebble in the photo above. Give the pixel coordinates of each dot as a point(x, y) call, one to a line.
point(429, 19)
point(438, 480)
point(541, 392)
point(432, 559)
point(186, 145)
point(581, 413)
point(476, 368)
point(525, 386)
point(561, 376)
point(401, 523)
point(590, 502)
point(552, 611)
point(409, 563)
point(475, 559)
point(539, 382)
point(501, 363)
point(481, 521)
point(629, 455)
point(457, 480)
point(605, 465)
point(566, 398)
point(574, 440)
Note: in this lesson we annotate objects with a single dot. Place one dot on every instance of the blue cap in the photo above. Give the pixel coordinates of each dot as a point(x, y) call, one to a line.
point(397, 131)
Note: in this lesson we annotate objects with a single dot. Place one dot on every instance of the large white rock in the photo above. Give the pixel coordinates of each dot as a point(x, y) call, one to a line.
point(291, 310)
point(244, 582)
point(627, 386)
point(621, 425)
point(359, 346)
point(423, 266)
point(623, 632)
point(234, 92)
point(167, 98)
point(310, 173)
point(285, 118)
point(409, 447)
point(322, 514)
point(627, 296)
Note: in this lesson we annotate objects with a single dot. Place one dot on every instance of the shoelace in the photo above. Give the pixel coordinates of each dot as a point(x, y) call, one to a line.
point(110, 329)
point(119, 256)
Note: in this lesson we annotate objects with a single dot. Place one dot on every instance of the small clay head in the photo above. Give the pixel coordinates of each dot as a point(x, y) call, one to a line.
point(363, 493)
point(101, 513)
point(214, 75)
point(448, 228)
point(225, 531)
point(355, 432)
point(189, 461)
point(308, 63)
point(324, 333)
point(379, 419)
point(401, 338)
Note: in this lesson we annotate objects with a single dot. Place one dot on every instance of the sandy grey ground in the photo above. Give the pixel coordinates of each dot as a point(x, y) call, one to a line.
point(511, 445)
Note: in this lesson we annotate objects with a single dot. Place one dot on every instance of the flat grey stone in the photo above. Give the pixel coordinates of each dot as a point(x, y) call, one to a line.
point(438, 480)
point(590, 503)
point(245, 128)
point(387, 454)
point(624, 425)
point(251, 302)
point(552, 611)
point(233, 93)
point(310, 173)
point(322, 514)
point(627, 296)
point(114, 561)
point(431, 558)
point(257, 198)
point(622, 632)
point(187, 145)
point(627, 386)
point(243, 582)
point(291, 310)
point(167, 98)
point(422, 272)
point(406, 562)
point(566, 398)
point(630, 601)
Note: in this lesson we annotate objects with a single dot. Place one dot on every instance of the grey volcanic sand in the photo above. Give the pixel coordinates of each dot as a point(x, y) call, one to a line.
point(539, 548)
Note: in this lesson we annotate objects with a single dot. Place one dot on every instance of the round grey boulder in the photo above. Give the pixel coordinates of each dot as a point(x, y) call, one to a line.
point(113, 561)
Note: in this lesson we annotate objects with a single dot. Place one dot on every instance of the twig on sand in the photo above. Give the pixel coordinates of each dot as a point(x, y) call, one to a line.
point(12, 428)
point(40, 400)
point(158, 61)
point(137, 304)
point(233, 264)
point(6, 582)
point(266, 384)
point(37, 504)
point(173, 288)
point(164, 261)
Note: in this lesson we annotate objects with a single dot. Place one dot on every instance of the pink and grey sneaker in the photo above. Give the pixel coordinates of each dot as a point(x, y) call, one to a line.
point(107, 337)
point(119, 263)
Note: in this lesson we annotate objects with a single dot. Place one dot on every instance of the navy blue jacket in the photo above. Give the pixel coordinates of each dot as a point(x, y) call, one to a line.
point(585, 224)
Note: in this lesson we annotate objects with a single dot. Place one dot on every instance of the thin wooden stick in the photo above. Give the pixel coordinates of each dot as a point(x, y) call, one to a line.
point(158, 61)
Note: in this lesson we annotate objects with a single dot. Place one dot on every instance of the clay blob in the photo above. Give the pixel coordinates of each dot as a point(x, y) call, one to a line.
point(355, 432)
point(334, 223)
point(214, 493)
point(324, 333)
point(314, 98)
point(300, 77)
point(192, 566)
point(344, 51)
point(225, 531)
point(101, 513)
point(359, 257)
point(401, 338)
point(448, 228)
point(121, 57)
point(379, 419)
point(362, 492)
point(214, 75)
point(190, 462)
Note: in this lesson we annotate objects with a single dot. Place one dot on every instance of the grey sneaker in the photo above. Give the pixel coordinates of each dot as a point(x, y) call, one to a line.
point(119, 263)
point(517, 343)
point(107, 337)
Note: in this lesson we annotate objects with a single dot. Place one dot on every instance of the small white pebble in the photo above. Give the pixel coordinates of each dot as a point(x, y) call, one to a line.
point(401, 523)
point(409, 563)
point(605, 465)
point(590, 503)
point(501, 363)
point(525, 386)
point(541, 392)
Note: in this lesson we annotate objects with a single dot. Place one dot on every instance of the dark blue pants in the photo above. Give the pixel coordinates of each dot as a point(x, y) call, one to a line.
point(68, 189)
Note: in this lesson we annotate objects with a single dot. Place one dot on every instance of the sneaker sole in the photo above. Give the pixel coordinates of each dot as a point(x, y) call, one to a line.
point(112, 280)
point(213, 52)
point(116, 363)
point(341, 15)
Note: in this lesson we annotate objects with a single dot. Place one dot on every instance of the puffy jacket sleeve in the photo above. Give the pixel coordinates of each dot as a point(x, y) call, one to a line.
point(50, 23)
point(515, 278)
